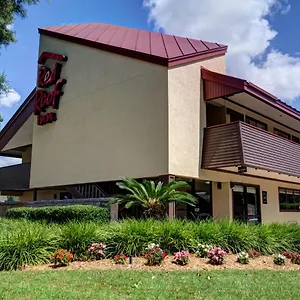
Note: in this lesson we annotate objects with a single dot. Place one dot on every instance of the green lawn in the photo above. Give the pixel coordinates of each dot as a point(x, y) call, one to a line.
point(113, 284)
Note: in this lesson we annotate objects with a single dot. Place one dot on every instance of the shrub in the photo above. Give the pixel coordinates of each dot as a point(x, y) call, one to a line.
point(243, 258)
point(202, 250)
point(60, 214)
point(120, 259)
point(295, 259)
point(77, 237)
point(216, 256)
point(279, 259)
point(155, 255)
point(61, 258)
point(182, 257)
point(254, 254)
point(129, 237)
point(132, 236)
point(28, 244)
point(97, 251)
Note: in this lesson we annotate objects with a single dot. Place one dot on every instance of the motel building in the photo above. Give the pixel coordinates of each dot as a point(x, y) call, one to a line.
point(113, 101)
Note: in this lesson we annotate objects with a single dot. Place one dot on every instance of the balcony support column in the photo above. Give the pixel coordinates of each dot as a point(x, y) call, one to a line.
point(165, 179)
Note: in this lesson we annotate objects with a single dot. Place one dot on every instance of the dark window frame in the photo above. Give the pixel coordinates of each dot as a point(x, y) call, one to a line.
point(295, 139)
point(282, 133)
point(230, 111)
point(281, 209)
point(249, 119)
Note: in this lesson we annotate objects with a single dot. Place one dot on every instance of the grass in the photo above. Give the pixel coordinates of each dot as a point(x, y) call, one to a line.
point(214, 285)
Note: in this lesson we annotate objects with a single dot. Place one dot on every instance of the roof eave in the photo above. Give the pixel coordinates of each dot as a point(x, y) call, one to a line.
point(17, 120)
point(251, 89)
point(195, 57)
point(163, 61)
point(255, 91)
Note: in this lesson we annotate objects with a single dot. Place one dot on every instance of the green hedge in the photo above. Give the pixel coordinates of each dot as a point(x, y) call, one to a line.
point(60, 214)
point(25, 242)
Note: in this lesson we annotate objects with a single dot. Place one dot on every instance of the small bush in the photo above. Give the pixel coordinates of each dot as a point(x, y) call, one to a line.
point(155, 255)
point(295, 259)
point(130, 236)
point(97, 251)
point(182, 257)
point(61, 258)
point(216, 256)
point(254, 254)
point(120, 259)
point(60, 214)
point(288, 254)
point(243, 258)
point(279, 259)
point(77, 237)
point(29, 244)
point(202, 250)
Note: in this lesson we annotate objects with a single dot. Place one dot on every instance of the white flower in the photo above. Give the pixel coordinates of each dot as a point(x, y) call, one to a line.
point(151, 246)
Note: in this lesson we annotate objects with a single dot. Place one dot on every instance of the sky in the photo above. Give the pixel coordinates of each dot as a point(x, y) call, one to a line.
point(262, 37)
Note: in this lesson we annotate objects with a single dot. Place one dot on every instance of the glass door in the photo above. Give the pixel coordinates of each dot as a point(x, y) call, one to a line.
point(246, 203)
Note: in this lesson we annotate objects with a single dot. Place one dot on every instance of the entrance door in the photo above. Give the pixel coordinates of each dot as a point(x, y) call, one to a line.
point(246, 203)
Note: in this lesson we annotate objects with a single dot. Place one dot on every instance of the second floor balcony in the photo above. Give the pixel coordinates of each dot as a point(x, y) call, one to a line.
point(239, 144)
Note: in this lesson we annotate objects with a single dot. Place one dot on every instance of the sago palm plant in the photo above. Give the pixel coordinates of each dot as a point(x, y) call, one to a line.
point(151, 197)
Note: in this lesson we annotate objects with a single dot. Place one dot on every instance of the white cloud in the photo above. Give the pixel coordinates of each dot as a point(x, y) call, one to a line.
point(286, 10)
point(243, 25)
point(8, 161)
point(10, 26)
point(10, 99)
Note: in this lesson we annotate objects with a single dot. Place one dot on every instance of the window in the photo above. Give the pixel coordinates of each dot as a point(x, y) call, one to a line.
point(282, 133)
point(234, 115)
point(295, 139)
point(256, 123)
point(289, 200)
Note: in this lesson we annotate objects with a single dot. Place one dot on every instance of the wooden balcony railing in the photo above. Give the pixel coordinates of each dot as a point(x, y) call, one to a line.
point(240, 144)
point(15, 177)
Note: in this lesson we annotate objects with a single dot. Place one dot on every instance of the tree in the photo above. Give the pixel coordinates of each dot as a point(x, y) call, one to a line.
point(153, 198)
point(9, 9)
point(12, 199)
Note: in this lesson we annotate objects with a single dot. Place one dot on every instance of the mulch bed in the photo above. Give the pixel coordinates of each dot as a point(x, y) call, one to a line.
point(196, 263)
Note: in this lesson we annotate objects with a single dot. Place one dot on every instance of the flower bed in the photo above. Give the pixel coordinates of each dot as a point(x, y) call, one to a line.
point(195, 263)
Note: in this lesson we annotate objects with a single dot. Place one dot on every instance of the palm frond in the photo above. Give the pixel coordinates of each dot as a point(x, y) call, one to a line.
point(153, 197)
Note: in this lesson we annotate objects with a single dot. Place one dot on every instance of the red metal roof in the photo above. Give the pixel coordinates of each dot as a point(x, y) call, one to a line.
point(163, 49)
point(218, 85)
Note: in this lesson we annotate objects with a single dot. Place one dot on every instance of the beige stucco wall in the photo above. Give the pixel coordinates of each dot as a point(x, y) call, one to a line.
point(26, 155)
point(41, 195)
point(112, 120)
point(23, 136)
point(222, 201)
point(269, 212)
point(187, 115)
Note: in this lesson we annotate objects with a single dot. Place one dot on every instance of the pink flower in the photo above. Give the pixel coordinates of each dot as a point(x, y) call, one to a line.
point(100, 252)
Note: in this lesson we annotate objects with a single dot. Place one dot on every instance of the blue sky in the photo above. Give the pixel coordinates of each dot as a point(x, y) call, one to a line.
point(21, 69)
